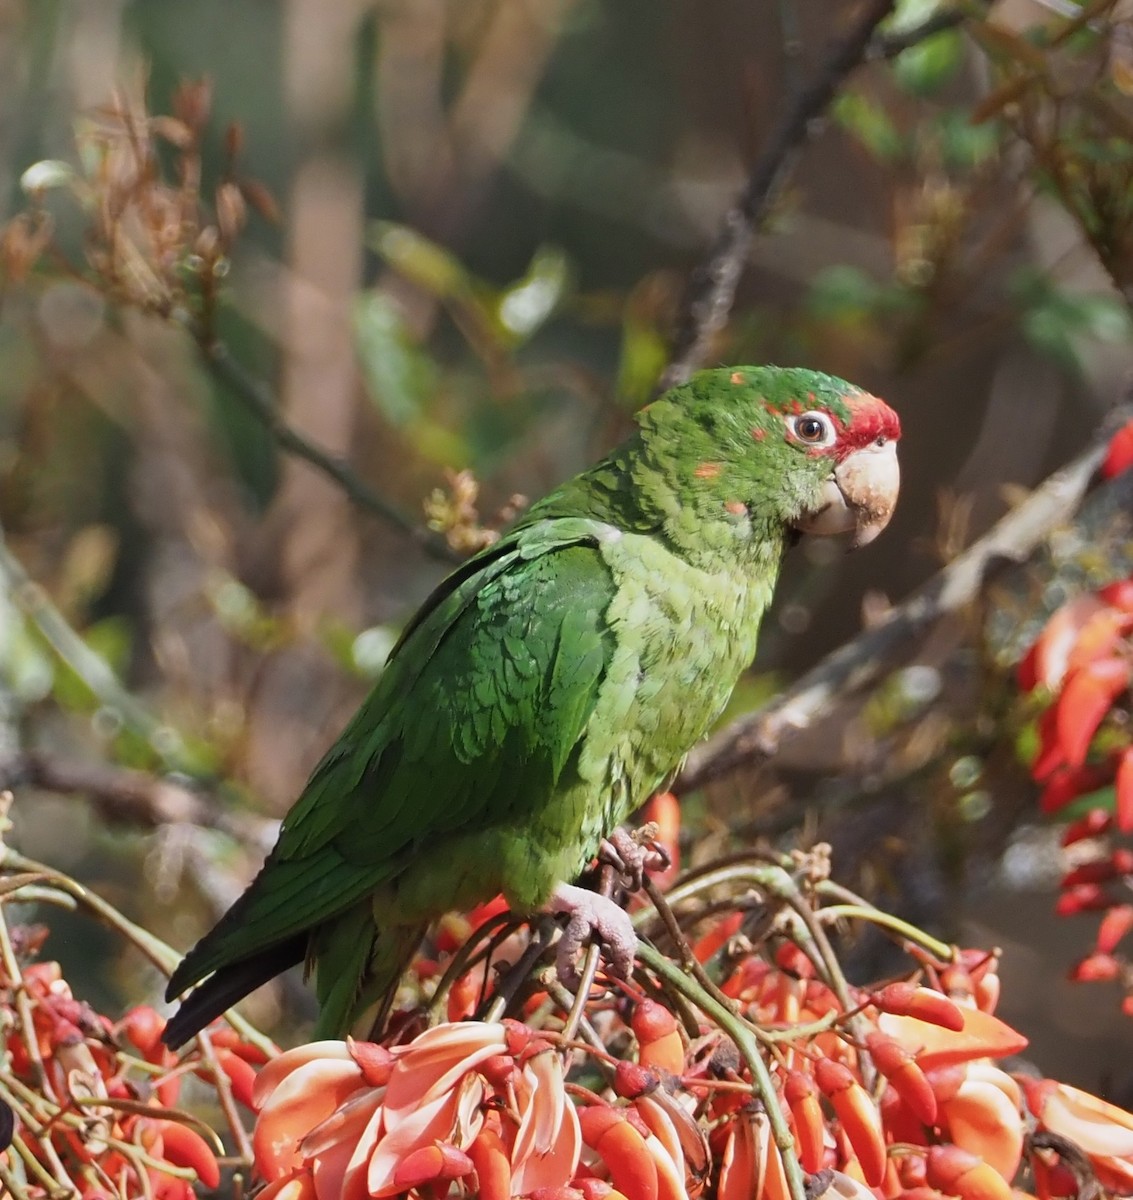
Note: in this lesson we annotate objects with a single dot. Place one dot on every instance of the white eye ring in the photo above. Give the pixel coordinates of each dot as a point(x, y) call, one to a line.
point(813, 429)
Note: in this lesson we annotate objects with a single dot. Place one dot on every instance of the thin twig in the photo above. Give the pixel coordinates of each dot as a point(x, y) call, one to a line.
point(712, 286)
point(753, 738)
point(744, 1036)
point(258, 399)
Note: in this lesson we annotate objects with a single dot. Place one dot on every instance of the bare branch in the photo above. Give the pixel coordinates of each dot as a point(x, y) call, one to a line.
point(712, 286)
point(258, 399)
point(756, 736)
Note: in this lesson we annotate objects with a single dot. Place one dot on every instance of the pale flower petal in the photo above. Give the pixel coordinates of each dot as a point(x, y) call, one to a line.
point(1100, 1129)
point(982, 1120)
point(275, 1071)
point(434, 1061)
point(303, 1099)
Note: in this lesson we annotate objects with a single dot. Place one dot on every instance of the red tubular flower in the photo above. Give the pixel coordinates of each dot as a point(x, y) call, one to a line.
point(1119, 454)
point(609, 1132)
point(958, 1173)
point(857, 1114)
point(908, 1000)
point(899, 1066)
point(659, 1043)
point(806, 1115)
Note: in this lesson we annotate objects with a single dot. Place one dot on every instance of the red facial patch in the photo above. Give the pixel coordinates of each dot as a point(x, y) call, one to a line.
point(870, 419)
point(758, 432)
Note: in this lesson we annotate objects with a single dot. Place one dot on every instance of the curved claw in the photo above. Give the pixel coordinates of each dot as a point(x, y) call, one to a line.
point(633, 854)
point(592, 915)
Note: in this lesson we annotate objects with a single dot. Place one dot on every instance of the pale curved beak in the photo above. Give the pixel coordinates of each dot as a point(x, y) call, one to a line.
point(859, 497)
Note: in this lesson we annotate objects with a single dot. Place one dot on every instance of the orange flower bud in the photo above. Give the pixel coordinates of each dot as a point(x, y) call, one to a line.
point(659, 1042)
point(632, 1080)
point(899, 1066)
point(858, 1116)
point(955, 1171)
point(1114, 926)
point(493, 1170)
point(439, 1163)
point(143, 1027)
point(241, 1075)
point(1095, 968)
point(1094, 824)
point(1083, 898)
point(184, 1147)
point(374, 1061)
point(806, 1113)
point(908, 1000)
point(609, 1132)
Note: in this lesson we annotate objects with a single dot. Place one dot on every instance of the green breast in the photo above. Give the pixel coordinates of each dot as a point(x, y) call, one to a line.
point(683, 634)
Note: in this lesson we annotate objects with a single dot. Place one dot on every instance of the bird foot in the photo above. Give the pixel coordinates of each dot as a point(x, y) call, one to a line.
point(592, 916)
point(633, 854)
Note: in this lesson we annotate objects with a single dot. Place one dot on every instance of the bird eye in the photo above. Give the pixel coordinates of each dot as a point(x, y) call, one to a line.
point(813, 428)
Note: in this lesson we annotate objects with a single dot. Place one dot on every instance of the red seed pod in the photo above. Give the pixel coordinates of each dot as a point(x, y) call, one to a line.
point(955, 1171)
point(441, 1162)
point(806, 1113)
point(899, 1066)
point(858, 1116)
point(905, 999)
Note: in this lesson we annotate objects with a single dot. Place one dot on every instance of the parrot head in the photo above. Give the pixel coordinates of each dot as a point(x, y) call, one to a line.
point(786, 447)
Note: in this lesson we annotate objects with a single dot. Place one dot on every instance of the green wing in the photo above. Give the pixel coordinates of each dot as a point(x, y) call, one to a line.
point(481, 705)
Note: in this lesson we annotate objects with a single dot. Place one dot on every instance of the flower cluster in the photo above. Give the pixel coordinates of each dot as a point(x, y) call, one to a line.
point(896, 1095)
point(93, 1102)
point(1081, 667)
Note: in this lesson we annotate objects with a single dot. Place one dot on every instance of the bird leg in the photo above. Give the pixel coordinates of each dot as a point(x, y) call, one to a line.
point(633, 854)
point(592, 915)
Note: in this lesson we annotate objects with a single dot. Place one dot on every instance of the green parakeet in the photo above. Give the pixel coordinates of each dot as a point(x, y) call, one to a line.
point(549, 686)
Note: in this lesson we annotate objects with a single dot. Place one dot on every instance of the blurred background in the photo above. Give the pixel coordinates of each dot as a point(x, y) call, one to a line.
point(441, 236)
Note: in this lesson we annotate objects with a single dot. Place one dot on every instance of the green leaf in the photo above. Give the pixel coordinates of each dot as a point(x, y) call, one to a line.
point(867, 121)
point(644, 353)
point(843, 292)
point(420, 260)
point(400, 377)
point(963, 144)
point(927, 66)
point(525, 306)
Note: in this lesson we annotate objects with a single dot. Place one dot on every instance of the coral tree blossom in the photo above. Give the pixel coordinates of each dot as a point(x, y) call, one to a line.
point(350, 1120)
